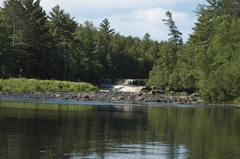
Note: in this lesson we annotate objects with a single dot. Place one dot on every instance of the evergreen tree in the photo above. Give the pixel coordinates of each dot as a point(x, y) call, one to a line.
point(35, 37)
point(12, 13)
point(27, 19)
point(223, 52)
point(184, 76)
point(62, 28)
point(215, 44)
point(87, 66)
point(149, 50)
point(6, 60)
point(12, 16)
point(102, 48)
point(175, 35)
point(162, 72)
point(163, 67)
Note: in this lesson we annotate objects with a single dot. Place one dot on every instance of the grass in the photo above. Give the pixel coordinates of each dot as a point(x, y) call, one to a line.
point(236, 101)
point(23, 85)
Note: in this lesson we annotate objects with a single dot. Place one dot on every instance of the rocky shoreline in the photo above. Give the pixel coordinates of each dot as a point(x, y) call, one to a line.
point(110, 96)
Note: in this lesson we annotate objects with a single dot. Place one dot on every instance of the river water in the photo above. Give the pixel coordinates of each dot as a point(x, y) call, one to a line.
point(39, 130)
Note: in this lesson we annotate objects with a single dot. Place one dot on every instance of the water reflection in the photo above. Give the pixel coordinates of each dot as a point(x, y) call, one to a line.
point(49, 131)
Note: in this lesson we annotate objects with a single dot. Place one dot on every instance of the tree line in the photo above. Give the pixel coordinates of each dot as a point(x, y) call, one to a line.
point(209, 62)
point(34, 44)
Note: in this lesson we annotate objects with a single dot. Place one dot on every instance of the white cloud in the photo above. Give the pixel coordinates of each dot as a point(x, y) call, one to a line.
point(139, 22)
point(131, 17)
point(95, 5)
point(111, 4)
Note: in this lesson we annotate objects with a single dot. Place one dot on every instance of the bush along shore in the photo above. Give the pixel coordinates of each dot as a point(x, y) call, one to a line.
point(32, 89)
point(23, 85)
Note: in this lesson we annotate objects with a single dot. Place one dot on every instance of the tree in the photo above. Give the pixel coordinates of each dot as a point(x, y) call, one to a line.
point(86, 65)
point(62, 28)
point(105, 28)
point(223, 53)
point(12, 13)
point(175, 35)
point(6, 59)
point(184, 76)
point(35, 37)
point(27, 19)
point(215, 44)
point(146, 45)
point(164, 66)
point(102, 51)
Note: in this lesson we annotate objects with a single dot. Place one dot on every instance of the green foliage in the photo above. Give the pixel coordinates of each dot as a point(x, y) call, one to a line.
point(184, 76)
point(62, 28)
point(55, 46)
point(175, 35)
point(219, 80)
point(209, 61)
point(162, 74)
point(32, 85)
point(163, 67)
point(102, 52)
point(27, 28)
point(105, 29)
point(6, 60)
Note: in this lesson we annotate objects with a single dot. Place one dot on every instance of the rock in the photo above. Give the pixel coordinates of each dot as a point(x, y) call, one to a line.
point(138, 94)
point(74, 96)
point(151, 92)
point(123, 97)
point(92, 97)
point(194, 95)
point(67, 97)
point(83, 96)
point(148, 100)
point(139, 98)
point(113, 99)
point(120, 98)
point(57, 95)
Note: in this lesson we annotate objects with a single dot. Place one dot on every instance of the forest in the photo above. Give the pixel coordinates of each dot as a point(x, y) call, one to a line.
point(34, 44)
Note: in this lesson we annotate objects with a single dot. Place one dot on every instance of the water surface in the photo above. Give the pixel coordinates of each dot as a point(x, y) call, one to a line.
point(66, 131)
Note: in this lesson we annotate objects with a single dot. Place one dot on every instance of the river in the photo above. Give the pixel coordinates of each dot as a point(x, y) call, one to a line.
point(60, 130)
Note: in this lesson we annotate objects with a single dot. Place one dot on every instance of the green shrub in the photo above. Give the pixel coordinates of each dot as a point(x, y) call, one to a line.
point(32, 85)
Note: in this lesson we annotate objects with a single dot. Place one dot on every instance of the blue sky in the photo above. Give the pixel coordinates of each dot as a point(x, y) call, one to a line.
point(132, 17)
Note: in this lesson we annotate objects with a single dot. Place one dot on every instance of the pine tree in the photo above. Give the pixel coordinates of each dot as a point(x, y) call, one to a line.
point(215, 44)
point(103, 51)
point(162, 71)
point(175, 35)
point(35, 37)
point(6, 58)
point(86, 65)
point(27, 21)
point(62, 28)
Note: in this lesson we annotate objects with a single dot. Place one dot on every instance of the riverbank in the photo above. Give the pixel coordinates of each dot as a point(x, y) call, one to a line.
point(23, 85)
point(32, 89)
point(105, 96)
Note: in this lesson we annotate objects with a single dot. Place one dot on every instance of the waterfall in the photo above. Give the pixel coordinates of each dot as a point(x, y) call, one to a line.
point(123, 85)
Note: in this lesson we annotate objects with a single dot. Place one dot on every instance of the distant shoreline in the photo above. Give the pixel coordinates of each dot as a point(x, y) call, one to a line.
point(112, 97)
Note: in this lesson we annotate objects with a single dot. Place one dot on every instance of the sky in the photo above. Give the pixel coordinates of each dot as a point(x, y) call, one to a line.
point(132, 17)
